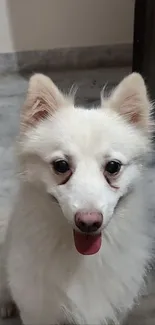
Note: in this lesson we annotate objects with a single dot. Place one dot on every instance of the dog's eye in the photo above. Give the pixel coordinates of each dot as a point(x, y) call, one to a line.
point(61, 166)
point(113, 167)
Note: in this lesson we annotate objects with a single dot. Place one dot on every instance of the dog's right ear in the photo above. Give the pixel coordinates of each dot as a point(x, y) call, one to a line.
point(43, 99)
point(130, 100)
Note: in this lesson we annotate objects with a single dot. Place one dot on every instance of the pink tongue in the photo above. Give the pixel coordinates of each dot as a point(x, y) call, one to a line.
point(87, 244)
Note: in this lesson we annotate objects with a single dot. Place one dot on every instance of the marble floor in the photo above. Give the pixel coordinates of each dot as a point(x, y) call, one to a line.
point(12, 93)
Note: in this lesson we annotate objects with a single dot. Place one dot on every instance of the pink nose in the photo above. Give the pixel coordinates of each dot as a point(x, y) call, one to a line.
point(88, 222)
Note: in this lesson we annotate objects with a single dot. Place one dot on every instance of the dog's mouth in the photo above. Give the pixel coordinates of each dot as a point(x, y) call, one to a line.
point(87, 244)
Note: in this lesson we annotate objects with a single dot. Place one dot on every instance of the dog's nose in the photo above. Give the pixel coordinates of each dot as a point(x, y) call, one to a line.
point(88, 222)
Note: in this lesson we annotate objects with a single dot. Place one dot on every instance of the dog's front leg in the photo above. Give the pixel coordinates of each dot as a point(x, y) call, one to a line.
point(35, 319)
point(7, 306)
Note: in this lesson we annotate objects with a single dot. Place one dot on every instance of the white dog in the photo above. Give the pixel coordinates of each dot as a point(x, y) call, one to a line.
point(80, 238)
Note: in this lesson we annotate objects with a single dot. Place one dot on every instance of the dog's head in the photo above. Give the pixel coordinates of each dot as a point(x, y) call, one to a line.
point(86, 159)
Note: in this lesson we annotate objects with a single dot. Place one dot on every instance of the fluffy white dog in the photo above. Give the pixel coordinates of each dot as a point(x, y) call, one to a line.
point(80, 237)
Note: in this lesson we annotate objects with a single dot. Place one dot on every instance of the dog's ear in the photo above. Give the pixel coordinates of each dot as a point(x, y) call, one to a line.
point(130, 100)
point(43, 99)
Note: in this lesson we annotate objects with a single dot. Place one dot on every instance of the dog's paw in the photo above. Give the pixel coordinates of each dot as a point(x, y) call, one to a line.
point(7, 309)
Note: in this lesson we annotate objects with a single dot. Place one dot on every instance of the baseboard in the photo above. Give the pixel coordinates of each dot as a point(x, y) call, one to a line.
point(70, 58)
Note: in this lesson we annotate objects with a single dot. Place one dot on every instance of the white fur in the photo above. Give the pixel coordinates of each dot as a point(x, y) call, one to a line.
point(49, 280)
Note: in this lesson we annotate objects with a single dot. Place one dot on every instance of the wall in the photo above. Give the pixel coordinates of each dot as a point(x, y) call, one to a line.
point(47, 24)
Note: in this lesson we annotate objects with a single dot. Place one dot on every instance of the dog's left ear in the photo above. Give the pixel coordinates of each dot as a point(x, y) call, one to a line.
point(43, 99)
point(130, 100)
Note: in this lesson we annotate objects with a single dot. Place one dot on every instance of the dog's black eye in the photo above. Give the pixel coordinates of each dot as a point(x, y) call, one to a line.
point(113, 167)
point(61, 166)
